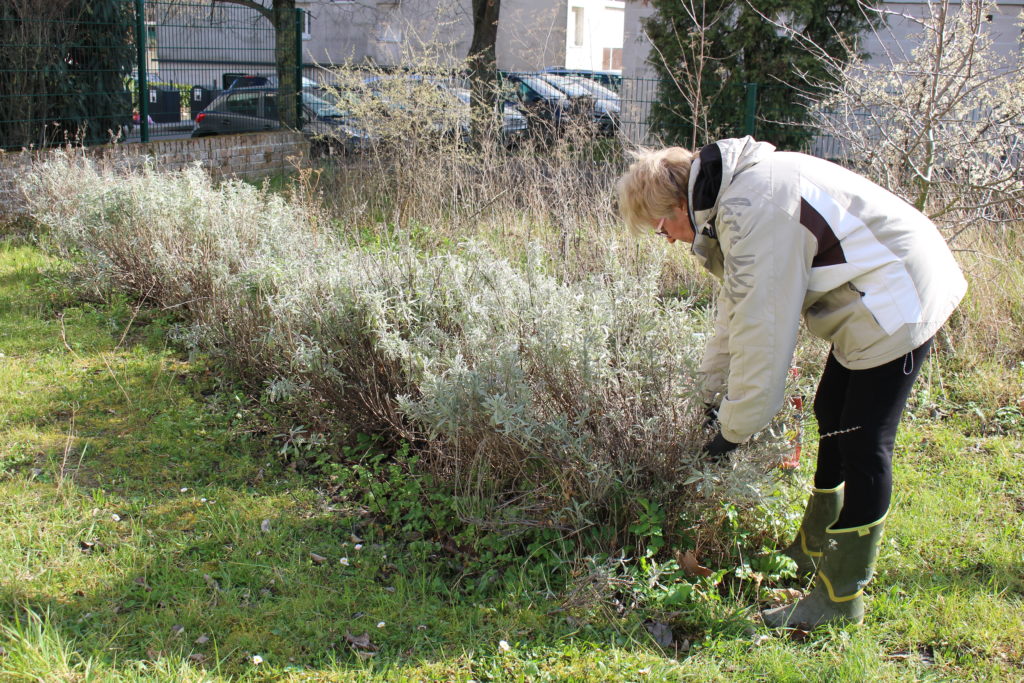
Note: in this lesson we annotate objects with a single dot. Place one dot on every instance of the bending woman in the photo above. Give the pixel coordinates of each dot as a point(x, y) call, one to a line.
point(792, 236)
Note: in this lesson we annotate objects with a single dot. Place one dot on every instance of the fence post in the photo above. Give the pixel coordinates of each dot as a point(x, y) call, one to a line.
point(749, 117)
point(298, 67)
point(142, 84)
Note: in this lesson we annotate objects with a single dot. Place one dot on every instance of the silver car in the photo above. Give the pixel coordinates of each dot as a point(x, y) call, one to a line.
point(246, 110)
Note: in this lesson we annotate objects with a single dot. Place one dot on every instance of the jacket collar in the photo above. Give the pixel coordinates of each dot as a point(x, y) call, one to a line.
point(711, 174)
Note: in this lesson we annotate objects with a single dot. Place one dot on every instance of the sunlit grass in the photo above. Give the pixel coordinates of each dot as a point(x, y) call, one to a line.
point(150, 534)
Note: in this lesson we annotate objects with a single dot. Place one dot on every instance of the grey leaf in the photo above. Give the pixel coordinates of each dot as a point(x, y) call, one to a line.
point(662, 633)
point(360, 642)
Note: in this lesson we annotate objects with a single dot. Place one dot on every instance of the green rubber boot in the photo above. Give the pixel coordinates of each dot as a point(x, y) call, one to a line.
point(822, 510)
point(838, 594)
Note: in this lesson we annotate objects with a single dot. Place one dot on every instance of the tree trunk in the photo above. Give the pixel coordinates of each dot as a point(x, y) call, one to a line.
point(287, 62)
point(483, 63)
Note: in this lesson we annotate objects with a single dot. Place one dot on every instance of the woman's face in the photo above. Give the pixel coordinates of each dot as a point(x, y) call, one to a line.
point(676, 227)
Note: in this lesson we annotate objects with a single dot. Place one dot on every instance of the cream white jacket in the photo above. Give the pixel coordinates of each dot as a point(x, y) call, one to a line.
point(791, 235)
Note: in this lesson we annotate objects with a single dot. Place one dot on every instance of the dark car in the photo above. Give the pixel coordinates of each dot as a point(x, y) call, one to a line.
point(543, 103)
point(245, 110)
point(514, 126)
point(233, 81)
point(416, 105)
point(557, 100)
point(609, 79)
point(606, 107)
point(440, 101)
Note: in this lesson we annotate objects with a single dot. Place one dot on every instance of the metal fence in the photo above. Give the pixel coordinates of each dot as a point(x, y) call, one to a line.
point(125, 70)
point(135, 70)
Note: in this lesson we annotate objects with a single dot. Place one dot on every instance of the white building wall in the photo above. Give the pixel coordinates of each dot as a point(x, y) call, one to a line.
point(531, 33)
point(594, 28)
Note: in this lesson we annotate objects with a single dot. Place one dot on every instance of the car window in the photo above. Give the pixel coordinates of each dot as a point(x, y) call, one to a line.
point(243, 103)
point(270, 105)
point(321, 107)
point(543, 88)
point(566, 86)
point(594, 87)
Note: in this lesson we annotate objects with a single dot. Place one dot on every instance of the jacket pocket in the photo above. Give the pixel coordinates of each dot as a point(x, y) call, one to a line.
point(842, 318)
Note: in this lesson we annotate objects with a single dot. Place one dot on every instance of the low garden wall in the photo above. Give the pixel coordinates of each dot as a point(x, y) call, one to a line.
point(244, 155)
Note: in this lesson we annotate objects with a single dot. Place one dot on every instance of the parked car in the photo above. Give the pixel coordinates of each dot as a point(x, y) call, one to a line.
point(241, 80)
point(556, 98)
point(245, 110)
point(440, 101)
point(412, 100)
point(545, 105)
point(609, 79)
point(514, 126)
point(607, 109)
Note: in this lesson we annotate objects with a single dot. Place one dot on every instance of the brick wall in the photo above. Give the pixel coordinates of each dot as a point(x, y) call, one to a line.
point(250, 154)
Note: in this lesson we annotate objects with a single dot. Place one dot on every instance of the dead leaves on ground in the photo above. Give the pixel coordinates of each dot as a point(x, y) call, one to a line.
point(783, 596)
point(688, 561)
point(362, 646)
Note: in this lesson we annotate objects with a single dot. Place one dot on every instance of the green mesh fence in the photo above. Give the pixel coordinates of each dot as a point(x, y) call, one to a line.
point(65, 71)
point(138, 70)
point(125, 70)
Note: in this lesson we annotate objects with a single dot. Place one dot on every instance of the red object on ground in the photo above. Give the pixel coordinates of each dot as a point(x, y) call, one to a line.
point(792, 461)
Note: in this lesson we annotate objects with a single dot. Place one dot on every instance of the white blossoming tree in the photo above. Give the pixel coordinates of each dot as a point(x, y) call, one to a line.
point(941, 126)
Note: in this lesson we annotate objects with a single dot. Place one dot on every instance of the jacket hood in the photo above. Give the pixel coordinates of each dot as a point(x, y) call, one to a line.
point(711, 174)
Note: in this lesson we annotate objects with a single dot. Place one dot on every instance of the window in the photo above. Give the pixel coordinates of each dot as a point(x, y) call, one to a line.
point(152, 51)
point(577, 34)
point(307, 24)
point(270, 105)
point(389, 33)
point(244, 104)
point(612, 59)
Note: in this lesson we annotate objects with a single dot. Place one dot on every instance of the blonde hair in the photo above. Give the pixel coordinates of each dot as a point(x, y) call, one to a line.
point(656, 182)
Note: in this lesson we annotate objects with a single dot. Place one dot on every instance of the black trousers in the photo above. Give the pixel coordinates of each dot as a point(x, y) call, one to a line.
point(858, 412)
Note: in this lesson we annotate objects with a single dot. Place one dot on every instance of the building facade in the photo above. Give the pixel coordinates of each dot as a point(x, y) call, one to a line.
point(532, 34)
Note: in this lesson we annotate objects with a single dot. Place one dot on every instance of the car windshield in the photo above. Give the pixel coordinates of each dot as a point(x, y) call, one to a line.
point(565, 85)
point(593, 87)
point(543, 88)
point(321, 107)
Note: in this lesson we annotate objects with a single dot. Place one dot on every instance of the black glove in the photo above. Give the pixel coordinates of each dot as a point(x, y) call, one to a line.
point(718, 447)
point(710, 416)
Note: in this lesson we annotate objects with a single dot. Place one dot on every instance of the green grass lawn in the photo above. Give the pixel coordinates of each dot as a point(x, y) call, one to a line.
point(149, 532)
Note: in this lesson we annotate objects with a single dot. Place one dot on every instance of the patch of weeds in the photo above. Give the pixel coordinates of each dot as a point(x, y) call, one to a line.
point(19, 228)
point(438, 526)
point(14, 457)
